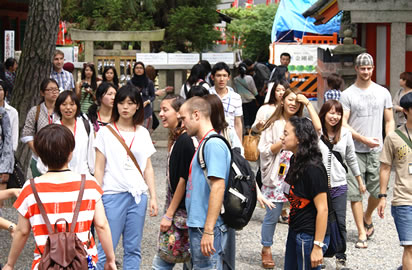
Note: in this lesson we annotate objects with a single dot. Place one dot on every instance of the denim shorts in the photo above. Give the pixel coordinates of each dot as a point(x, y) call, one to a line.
point(403, 221)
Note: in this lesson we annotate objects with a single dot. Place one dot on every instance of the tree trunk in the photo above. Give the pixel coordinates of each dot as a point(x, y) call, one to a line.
point(35, 62)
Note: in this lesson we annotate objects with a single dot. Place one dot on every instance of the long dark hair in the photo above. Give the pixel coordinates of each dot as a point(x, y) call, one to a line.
point(322, 114)
point(93, 79)
point(100, 92)
point(115, 77)
point(280, 109)
point(176, 102)
point(129, 91)
point(272, 97)
point(198, 72)
point(308, 152)
point(217, 117)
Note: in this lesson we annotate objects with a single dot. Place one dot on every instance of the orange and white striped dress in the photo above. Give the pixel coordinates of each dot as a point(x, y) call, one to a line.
point(59, 200)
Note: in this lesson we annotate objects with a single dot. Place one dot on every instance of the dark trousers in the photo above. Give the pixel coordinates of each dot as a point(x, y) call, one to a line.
point(249, 113)
point(339, 204)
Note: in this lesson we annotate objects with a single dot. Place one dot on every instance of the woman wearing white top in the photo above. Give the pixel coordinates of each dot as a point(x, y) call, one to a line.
point(275, 163)
point(336, 145)
point(197, 77)
point(125, 189)
point(275, 98)
point(67, 108)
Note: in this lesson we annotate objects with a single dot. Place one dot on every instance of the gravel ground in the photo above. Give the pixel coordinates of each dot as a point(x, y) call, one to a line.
point(383, 252)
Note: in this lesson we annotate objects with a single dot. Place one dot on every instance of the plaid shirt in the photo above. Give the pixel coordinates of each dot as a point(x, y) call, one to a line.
point(64, 79)
point(332, 94)
point(10, 77)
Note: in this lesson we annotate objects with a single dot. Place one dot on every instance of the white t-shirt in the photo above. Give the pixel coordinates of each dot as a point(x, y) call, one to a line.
point(84, 155)
point(120, 173)
point(232, 105)
point(366, 107)
point(14, 122)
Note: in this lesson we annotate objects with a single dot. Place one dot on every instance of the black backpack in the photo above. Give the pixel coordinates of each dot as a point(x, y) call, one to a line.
point(240, 194)
point(261, 76)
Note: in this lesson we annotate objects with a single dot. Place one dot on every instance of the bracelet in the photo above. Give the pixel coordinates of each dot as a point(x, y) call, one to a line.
point(208, 233)
point(307, 103)
point(167, 218)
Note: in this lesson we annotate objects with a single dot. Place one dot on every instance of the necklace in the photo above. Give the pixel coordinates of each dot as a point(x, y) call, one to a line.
point(64, 170)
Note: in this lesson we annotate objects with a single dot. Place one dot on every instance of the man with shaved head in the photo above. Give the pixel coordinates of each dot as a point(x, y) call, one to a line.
point(204, 200)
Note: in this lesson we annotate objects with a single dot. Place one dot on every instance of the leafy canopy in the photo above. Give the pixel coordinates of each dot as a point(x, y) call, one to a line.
point(254, 27)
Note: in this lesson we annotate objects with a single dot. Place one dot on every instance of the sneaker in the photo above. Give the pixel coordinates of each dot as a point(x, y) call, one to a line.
point(340, 264)
point(283, 219)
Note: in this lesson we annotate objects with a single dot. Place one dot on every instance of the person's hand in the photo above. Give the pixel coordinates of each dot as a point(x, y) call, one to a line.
point(206, 245)
point(153, 207)
point(13, 229)
point(264, 202)
point(381, 207)
point(147, 102)
point(302, 99)
point(5, 177)
point(15, 191)
point(165, 224)
point(362, 188)
point(260, 125)
point(169, 89)
point(316, 257)
point(7, 267)
point(371, 142)
point(110, 265)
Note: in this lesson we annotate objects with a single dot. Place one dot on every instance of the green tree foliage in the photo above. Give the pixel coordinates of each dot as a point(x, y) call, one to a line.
point(121, 15)
point(191, 29)
point(254, 27)
point(188, 23)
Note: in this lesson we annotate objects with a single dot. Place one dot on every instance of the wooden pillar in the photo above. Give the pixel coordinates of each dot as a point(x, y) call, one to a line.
point(162, 78)
point(398, 51)
point(145, 46)
point(88, 51)
point(178, 82)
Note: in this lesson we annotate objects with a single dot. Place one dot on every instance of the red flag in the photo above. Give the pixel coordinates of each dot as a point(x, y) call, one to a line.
point(235, 4)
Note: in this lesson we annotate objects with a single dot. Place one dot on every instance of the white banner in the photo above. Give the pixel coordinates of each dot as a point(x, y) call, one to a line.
point(213, 58)
point(152, 58)
point(182, 58)
point(8, 44)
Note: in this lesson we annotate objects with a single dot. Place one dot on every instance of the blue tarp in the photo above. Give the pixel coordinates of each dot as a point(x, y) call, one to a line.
point(289, 17)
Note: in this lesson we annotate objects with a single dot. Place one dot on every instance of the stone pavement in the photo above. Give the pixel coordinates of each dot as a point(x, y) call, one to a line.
point(384, 251)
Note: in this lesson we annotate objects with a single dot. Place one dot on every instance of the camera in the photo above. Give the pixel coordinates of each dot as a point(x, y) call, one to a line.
point(85, 85)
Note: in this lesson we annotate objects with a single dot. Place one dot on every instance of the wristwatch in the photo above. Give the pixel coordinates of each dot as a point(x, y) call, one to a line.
point(382, 195)
point(319, 244)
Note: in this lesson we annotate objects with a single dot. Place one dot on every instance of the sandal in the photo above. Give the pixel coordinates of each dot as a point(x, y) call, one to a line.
point(267, 260)
point(369, 227)
point(361, 244)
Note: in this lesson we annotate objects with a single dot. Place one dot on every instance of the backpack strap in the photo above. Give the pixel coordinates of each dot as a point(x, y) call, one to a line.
point(403, 137)
point(78, 204)
point(41, 206)
point(185, 89)
point(335, 153)
point(126, 148)
point(36, 118)
point(85, 123)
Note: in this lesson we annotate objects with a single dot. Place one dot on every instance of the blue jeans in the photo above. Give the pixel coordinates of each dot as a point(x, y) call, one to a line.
point(127, 218)
point(269, 224)
point(298, 249)
point(159, 264)
point(201, 262)
point(402, 216)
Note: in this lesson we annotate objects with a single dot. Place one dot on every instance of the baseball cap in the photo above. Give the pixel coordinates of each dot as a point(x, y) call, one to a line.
point(364, 59)
point(406, 101)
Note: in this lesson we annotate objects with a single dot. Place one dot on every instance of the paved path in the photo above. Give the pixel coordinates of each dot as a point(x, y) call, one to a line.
point(384, 251)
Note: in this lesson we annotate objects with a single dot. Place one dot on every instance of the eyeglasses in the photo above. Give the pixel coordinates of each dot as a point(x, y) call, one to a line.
point(54, 90)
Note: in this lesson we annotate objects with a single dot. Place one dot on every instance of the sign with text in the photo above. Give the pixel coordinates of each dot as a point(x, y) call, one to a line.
point(304, 58)
point(68, 53)
point(8, 44)
point(152, 58)
point(213, 58)
point(183, 58)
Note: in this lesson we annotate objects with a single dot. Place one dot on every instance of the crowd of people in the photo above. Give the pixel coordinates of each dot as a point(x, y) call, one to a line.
point(100, 130)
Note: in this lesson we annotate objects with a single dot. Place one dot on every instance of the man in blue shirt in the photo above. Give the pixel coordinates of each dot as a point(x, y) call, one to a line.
point(204, 200)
